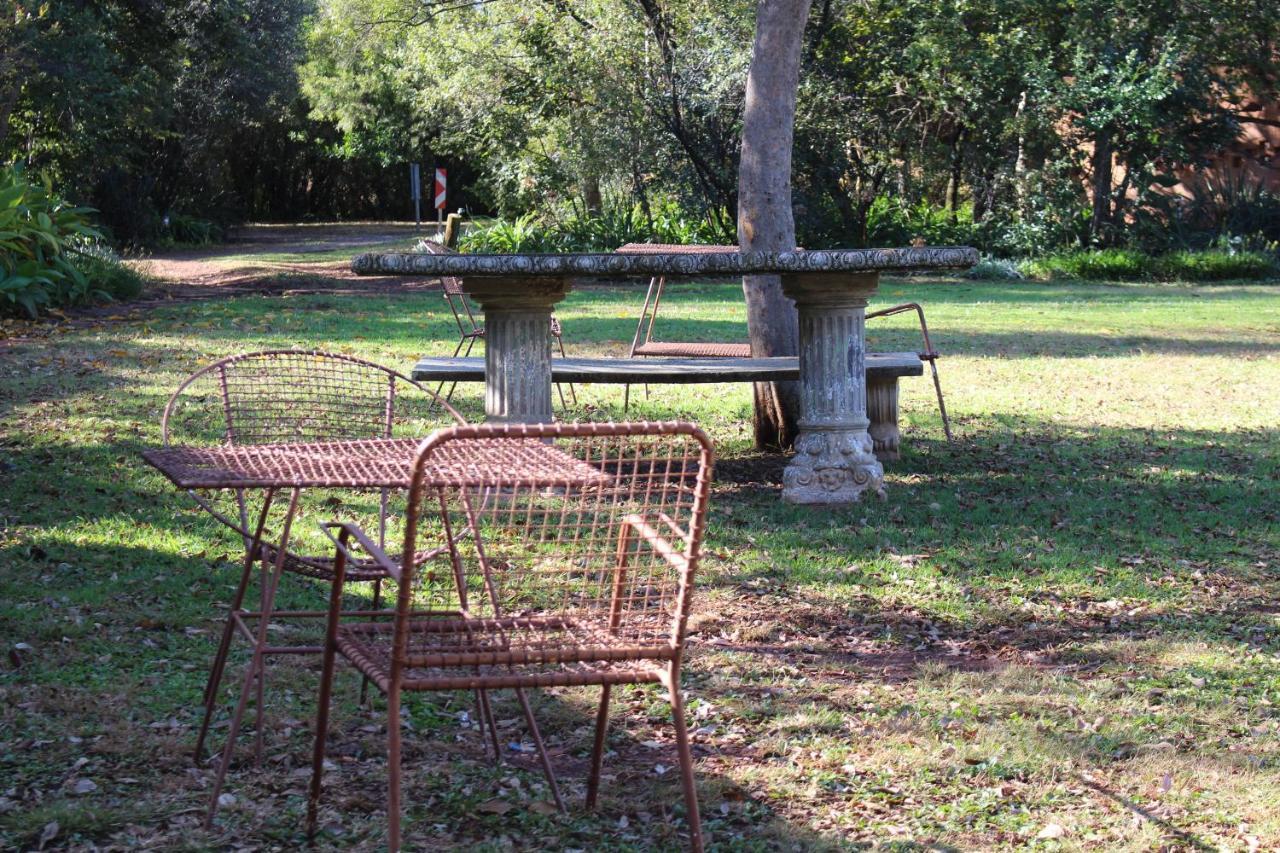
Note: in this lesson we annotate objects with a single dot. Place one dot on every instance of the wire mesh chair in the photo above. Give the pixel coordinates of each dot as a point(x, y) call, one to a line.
point(291, 397)
point(579, 572)
point(929, 354)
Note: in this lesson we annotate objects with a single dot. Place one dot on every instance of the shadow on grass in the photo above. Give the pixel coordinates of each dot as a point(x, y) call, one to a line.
point(1032, 541)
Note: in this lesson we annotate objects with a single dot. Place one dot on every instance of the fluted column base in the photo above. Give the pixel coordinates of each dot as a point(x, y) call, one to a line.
point(834, 461)
point(517, 345)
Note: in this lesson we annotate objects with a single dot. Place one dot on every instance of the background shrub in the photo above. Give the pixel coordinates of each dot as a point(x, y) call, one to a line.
point(1102, 264)
point(50, 254)
point(1215, 265)
point(599, 232)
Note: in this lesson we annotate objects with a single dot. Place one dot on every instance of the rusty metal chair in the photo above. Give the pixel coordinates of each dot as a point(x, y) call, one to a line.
point(579, 572)
point(291, 398)
point(643, 344)
point(929, 354)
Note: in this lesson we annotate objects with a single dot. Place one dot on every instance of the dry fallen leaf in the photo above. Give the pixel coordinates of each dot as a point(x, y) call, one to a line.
point(494, 806)
point(1051, 830)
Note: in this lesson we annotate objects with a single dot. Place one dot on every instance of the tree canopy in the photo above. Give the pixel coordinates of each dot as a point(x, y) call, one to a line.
point(1042, 123)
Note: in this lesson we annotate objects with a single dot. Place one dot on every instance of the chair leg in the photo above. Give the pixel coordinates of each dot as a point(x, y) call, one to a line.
point(252, 553)
point(393, 769)
point(220, 659)
point(573, 395)
point(471, 342)
point(255, 665)
point(377, 605)
point(259, 720)
point(456, 350)
point(686, 761)
point(322, 731)
point(488, 722)
point(942, 406)
point(597, 749)
point(541, 747)
point(626, 397)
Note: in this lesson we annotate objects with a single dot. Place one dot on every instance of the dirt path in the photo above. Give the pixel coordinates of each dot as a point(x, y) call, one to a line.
point(279, 259)
point(269, 260)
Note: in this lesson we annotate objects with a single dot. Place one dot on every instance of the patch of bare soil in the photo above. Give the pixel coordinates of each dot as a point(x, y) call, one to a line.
point(247, 264)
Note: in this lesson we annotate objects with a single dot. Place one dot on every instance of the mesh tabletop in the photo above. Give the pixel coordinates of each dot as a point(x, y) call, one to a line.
point(381, 463)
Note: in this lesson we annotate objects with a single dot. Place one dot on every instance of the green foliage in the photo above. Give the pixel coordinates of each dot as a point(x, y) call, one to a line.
point(182, 230)
point(994, 269)
point(601, 232)
point(1096, 264)
point(108, 273)
point(1215, 265)
point(38, 233)
point(892, 223)
point(1134, 265)
point(144, 108)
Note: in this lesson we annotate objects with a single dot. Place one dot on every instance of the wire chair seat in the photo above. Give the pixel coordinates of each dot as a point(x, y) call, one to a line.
point(533, 651)
point(694, 349)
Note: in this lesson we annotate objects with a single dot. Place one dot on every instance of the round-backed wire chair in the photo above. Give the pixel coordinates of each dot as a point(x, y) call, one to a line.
point(281, 397)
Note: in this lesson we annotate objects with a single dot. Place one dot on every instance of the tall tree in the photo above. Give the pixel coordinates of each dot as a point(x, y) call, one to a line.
point(765, 218)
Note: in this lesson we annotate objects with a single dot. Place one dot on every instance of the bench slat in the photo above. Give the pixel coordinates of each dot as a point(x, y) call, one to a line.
point(659, 371)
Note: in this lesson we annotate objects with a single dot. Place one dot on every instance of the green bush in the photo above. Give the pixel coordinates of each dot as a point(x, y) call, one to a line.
point(178, 229)
point(1215, 265)
point(38, 231)
point(109, 274)
point(50, 254)
point(602, 232)
point(1101, 264)
point(892, 223)
point(1132, 265)
point(994, 269)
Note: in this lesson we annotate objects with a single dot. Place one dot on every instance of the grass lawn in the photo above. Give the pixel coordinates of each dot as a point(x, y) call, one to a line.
point(1061, 631)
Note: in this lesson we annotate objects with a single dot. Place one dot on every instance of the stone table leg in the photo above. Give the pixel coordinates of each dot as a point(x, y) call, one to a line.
point(517, 345)
point(834, 462)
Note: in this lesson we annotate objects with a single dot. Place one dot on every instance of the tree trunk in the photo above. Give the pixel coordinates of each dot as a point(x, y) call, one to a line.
point(591, 194)
point(956, 173)
point(765, 220)
point(1101, 187)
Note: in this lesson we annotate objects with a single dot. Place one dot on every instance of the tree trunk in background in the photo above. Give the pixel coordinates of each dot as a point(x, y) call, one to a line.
point(591, 194)
point(765, 220)
point(1101, 187)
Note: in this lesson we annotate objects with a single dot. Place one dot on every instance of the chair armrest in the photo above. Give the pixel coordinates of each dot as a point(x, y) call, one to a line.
point(348, 530)
point(656, 541)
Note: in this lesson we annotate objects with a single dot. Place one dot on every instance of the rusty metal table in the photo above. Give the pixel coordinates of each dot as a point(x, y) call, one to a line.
point(834, 462)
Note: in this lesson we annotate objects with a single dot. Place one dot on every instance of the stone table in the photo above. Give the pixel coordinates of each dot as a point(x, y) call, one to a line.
point(834, 462)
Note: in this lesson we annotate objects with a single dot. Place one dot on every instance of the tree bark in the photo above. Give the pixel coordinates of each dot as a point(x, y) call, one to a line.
point(1101, 217)
point(765, 219)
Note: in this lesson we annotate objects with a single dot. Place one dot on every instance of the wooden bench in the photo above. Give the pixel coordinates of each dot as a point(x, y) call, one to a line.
point(883, 371)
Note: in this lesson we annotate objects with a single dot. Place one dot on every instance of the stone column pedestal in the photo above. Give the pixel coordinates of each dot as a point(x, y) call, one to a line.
point(517, 344)
point(834, 461)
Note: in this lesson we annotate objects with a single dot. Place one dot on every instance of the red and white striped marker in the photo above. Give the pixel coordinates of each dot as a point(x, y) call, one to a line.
point(441, 183)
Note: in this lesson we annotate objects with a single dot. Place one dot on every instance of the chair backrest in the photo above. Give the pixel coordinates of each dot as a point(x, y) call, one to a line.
point(463, 313)
point(289, 396)
point(598, 526)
